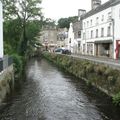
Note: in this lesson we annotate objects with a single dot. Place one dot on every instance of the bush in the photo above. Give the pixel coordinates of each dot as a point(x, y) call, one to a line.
point(116, 99)
point(18, 64)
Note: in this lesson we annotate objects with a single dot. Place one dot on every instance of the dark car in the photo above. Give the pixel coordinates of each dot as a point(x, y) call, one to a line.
point(66, 51)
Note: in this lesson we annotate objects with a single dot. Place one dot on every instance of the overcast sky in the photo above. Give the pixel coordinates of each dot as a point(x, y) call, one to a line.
point(56, 9)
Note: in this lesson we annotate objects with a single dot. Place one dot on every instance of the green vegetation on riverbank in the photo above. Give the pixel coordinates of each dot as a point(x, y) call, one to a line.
point(99, 75)
point(21, 27)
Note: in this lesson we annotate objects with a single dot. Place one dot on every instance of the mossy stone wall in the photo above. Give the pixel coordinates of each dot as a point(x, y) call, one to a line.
point(101, 76)
point(6, 82)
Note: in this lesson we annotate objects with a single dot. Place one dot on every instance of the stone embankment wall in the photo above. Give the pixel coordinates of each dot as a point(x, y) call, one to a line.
point(101, 76)
point(6, 82)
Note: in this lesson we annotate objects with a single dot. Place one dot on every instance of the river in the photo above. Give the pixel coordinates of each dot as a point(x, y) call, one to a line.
point(50, 94)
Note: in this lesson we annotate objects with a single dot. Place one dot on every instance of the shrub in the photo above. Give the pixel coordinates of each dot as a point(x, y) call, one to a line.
point(18, 64)
point(116, 99)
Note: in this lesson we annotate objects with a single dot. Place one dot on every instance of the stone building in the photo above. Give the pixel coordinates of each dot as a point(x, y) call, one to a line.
point(75, 34)
point(62, 38)
point(48, 37)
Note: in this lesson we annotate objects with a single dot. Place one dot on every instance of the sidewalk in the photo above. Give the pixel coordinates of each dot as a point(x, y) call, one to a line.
point(104, 60)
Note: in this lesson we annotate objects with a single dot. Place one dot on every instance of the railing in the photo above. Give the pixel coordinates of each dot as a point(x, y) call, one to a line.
point(5, 62)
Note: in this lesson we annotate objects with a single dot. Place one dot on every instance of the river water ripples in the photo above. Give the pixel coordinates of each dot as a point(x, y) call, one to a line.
point(50, 94)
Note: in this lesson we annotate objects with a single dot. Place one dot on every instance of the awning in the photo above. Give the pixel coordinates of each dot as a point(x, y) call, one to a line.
point(104, 41)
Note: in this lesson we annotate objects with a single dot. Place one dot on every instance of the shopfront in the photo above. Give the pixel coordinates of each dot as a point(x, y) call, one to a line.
point(103, 48)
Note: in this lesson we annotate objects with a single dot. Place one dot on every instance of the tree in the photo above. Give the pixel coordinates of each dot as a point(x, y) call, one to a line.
point(24, 11)
point(11, 32)
point(65, 22)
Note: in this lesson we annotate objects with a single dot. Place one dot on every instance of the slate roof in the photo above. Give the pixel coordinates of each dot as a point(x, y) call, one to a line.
point(102, 7)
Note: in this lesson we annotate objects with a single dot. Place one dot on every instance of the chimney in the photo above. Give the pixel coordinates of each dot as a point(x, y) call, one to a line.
point(80, 13)
point(95, 3)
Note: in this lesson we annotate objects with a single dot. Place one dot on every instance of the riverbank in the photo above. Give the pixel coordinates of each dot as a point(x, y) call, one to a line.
point(97, 74)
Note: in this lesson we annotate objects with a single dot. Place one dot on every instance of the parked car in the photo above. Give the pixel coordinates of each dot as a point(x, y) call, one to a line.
point(62, 51)
point(66, 51)
point(59, 50)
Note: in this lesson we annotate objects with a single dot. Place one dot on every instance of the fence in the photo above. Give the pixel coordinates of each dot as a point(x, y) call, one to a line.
point(5, 62)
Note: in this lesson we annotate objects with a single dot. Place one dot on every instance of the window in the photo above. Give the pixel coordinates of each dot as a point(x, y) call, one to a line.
point(91, 33)
point(87, 35)
point(79, 44)
point(79, 34)
point(91, 22)
point(89, 48)
point(84, 25)
point(84, 36)
point(96, 33)
point(102, 32)
point(109, 16)
point(97, 20)
point(109, 31)
point(70, 40)
point(102, 18)
point(87, 23)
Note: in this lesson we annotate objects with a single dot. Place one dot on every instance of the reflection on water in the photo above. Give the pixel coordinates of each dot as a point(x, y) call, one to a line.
point(49, 94)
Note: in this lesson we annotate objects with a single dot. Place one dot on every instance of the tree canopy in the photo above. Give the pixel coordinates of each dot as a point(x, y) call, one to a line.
point(19, 16)
point(65, 22)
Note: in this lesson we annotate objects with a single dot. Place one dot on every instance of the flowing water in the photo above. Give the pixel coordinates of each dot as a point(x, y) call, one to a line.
point(50, 94)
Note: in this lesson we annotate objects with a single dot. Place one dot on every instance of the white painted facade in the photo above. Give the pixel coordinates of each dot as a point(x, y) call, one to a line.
point(1, 31)
point(72, 43)
point(70, 38)
point(101, 31)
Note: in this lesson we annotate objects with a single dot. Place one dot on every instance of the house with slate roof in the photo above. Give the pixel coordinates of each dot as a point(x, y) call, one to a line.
point(101, 29)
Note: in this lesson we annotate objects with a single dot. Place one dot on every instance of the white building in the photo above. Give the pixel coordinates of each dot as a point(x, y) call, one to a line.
point(72, 43)
point(101, 29)
point(1, 31)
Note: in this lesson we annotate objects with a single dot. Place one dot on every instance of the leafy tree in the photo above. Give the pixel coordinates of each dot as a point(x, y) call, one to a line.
point(24, 11)
point(12, 30)
point(65, 22)
point(49, 22)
